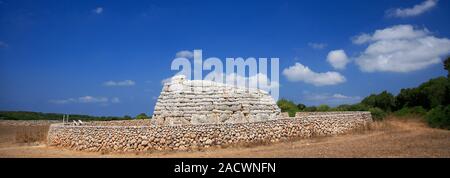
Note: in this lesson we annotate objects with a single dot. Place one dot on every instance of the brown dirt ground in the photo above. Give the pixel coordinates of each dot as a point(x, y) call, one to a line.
point(390, 138)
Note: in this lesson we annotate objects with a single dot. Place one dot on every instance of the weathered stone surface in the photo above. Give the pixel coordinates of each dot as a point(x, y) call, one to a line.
point(205, 102)
point(126, 136)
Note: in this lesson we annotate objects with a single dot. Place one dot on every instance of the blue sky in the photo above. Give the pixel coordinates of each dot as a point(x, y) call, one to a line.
point(109, 57)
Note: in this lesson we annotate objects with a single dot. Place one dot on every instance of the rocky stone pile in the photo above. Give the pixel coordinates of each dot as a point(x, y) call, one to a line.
point(122, 138)
point(185, 102)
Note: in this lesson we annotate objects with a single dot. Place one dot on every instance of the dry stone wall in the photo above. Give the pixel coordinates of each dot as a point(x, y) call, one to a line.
point(205, 102)
point(128, 137)
point(331, 113)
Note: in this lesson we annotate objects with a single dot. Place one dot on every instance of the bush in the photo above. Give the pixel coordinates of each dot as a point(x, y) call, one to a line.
point(439, 117)
point(384, 101)
point(287, 106)
point(377, 113)
point(323, 108)
point(310, 109)
point(414, 111)
point(351, 107)
point(142, 116)
point(301, 107)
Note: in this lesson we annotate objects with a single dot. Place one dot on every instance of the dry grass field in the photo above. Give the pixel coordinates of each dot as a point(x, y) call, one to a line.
point(393, 137)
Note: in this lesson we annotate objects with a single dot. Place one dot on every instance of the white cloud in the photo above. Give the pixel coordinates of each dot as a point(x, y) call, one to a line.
point(338, 59)
point(361, 39)
point(392, 33)
point(185, 54)
point(90, 99)
point(119, 83)
point(260, 81)
point(3, 44)
point(413, 11)
point(115, 100)
point(98, 10)
point(317, 45)
point(86, 99)
point(401, 48)
point(330, 99)
point(299, 72)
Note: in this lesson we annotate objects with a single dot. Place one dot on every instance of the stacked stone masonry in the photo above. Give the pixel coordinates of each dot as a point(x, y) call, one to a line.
point(205, 102)
point(132, 136)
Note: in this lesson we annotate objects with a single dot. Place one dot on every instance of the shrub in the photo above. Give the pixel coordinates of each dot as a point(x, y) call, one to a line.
point(301, 107)
point(142, 116)
point(439, 117)
point(323, 108)
point(377, 113)
point(352, 107)
point(414, 111)
point(287, 106)
point(310, 109)
point(384, 101)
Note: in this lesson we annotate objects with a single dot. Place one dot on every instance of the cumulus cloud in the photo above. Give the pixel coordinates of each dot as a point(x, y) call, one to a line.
point(338, 59)
point(299, 72)
point(260, 81)
point(391, 33)
point(317, 45)
point(400, 48)
point(124, 83)
point(98, 10)
point(185, 54)
point(413, 11)
point(115, 100)
point(86, 99)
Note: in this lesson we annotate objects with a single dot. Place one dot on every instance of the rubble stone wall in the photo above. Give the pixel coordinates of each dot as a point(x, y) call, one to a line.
point(127, 137)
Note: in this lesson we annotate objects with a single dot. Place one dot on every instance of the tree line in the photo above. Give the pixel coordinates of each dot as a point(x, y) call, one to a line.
point(430, 100)
point(26, 115)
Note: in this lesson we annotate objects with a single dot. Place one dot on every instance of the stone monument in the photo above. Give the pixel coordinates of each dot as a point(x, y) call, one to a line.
point(185, 101)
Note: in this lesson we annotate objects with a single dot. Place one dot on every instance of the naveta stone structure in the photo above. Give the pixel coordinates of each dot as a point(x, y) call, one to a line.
point(194, 115)
point(205, 102)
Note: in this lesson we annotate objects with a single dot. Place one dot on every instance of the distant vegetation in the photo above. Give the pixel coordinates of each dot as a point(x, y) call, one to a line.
point(430, 100)
point(24, 115)
point(142, 116)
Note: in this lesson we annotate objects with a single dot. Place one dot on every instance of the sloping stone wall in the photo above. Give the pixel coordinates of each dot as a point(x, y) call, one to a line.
point(331, 114)
point(205, 102)
point(126, 136)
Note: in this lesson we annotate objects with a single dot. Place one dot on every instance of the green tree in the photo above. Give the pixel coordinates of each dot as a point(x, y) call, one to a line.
point(384, 101)
point(352, 107)
point(447, 66)
point(439, 117)
point(411, 97)
point(429, 94)
point(311, 109)
point(436, 91)
point(142, 116)
point(287, 106)
point(377, 113)
point(301, 107)
point(323, 108)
